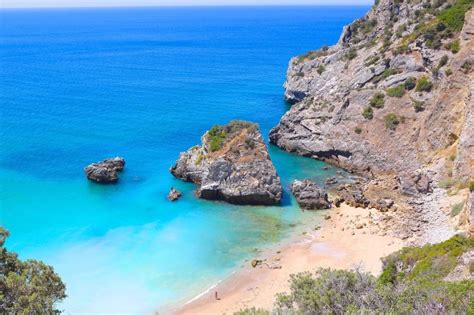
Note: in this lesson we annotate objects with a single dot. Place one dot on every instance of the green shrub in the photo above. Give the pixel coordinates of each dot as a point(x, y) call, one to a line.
point(311, 55)
point(424, 85)
point(447, 183)
point(218, 134)
point(412, 282)
point(443, 61)
point(397, 91)
point(358, 130)
point(252, 311)
point(471, 186)
point(321, 69)
point(402, 49)
point(454, 46)
point(430, 262)
point(351, 54)
point(466, 67)
point(391, 121)
point(27, 287)
point(368, 113)
point(378, 100)
point(419, 106)
point(387, 73)
point(457, 208)
point(410, 83)
point(216, 138)
point(371, 60)
point(453, 16)
point(448, 72)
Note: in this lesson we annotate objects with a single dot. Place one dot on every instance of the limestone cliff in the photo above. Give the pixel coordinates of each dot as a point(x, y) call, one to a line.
point(232, 165)
point(393, 98)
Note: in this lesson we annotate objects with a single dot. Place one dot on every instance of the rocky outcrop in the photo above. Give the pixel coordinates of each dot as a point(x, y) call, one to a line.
point(232, 164)
point(392, 99)
point(309, 196)
point(353, 195)
point(337, 118)
point(174, 194)
point(106, 171)
point(411, 184)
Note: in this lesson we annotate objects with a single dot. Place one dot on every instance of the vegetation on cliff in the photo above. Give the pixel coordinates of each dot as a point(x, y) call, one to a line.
point(219, 133)
point(27, 287)
point(413, 281)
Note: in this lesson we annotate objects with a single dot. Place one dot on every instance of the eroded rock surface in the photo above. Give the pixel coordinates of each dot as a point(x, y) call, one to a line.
point(309, 196)
point(392, 99)
point(232, 164)
point(106, 171)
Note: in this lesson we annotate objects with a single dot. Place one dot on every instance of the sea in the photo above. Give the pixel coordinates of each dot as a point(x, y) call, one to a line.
point(81, 85)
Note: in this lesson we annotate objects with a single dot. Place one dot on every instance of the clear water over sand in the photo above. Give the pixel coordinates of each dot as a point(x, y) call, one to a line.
point(78, 86)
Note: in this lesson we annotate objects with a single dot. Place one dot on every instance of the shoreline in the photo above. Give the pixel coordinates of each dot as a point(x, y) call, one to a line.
point(350, 237)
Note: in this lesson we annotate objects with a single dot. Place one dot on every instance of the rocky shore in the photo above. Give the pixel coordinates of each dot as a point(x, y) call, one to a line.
point(392, 101)
point(232, 164)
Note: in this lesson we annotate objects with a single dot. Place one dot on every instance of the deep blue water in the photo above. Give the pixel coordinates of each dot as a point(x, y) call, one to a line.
point(81, 85)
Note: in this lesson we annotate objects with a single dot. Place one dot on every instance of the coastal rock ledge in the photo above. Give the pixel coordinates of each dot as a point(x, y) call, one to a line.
point(232, 164)
point(309, 196)
point(106, 171)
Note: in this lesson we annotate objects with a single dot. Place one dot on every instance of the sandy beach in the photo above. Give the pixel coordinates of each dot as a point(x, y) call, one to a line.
point(349, 237)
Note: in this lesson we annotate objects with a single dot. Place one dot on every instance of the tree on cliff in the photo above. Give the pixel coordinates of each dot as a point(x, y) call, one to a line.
point(27, 287)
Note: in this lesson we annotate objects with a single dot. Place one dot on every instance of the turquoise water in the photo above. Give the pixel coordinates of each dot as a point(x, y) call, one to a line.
point(81, 85)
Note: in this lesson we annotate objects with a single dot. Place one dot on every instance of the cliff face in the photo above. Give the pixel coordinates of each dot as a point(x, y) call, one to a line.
point(390, 96)
point(394, 97)
point(232, 165)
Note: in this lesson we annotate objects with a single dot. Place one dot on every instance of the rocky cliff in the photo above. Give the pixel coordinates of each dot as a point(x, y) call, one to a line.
point(392, 99)
point(231, 164)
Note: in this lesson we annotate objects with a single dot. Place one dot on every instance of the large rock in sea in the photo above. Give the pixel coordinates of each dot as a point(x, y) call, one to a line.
point(106, 171)
point(232, 164)
point(309, 195)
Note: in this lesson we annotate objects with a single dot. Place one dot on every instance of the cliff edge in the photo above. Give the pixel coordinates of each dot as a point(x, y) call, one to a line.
point(392, 100)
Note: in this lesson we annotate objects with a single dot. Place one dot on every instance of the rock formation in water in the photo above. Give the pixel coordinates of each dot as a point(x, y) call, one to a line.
point(174, 194)
point(309, 196)
point(393, 99)
point(106, 171)
point(232, 164)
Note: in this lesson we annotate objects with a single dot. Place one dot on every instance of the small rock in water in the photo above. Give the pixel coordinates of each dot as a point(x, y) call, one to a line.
point(106, 171)
point(174, 194)
point(331, 181)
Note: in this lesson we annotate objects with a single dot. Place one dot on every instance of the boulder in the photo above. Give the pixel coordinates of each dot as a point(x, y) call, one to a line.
point(353, 195)
point(309, 196)
point(106, 171)
point(411, 184)
point(232, 164)
point(174, 194)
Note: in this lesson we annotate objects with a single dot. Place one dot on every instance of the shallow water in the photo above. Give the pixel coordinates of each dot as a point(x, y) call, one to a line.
point(81, 85)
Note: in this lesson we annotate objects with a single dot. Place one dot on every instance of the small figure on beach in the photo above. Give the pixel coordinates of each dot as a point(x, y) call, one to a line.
point(216, 296)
